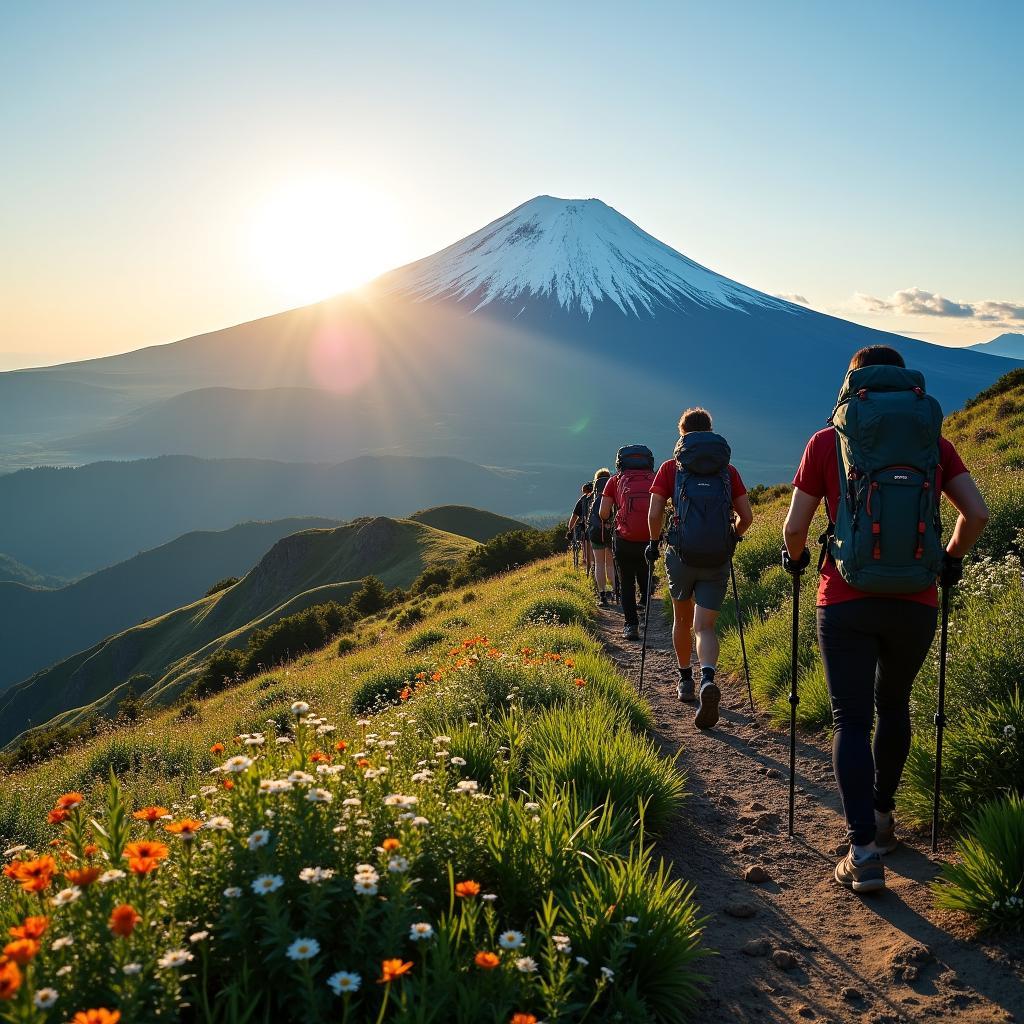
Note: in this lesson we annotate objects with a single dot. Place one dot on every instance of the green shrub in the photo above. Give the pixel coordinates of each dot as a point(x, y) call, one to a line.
point(224, 584)
point(468, 597)
point(346, 645)
point(424, 639)
point(409, 617)
point(378, 689)
point(988, 880)
point(560, 609)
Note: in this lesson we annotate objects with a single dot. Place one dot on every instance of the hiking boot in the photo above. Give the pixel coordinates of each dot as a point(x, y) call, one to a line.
point(630, 632)
point(867, 875)
point(885, 835)
point(707, 714)
point(684, 689)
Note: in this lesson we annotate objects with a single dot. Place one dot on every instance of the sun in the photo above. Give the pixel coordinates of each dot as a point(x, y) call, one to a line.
point(318, 236)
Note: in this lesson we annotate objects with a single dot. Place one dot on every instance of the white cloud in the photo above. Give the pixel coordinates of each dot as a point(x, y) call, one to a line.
point(918, 302)
point(793, 297)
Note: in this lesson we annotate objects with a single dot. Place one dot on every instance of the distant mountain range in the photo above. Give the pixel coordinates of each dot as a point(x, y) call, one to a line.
point(550, 336)
point(67, 522)
point(12, 571)
point(299, 570)
point(40, 627)
point(1008, 345)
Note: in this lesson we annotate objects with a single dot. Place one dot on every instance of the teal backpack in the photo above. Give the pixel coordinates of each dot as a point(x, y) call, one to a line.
point(887, 532)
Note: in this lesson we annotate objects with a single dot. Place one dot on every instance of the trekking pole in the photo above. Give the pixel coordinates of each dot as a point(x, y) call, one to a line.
point(743, 645)
point(793, 698)
point(940, 718)
point(647, 619)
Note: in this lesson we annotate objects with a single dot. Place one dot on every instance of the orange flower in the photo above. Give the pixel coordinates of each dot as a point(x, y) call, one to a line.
point(90, 849)
point(467, 888)
point(21, 951)
point(69, 800)
point(149, 849)
point(340, 746)
point(10, 979)
point(390, 844)
point(522, 1018)
point(437, 676)
point(229, 783)
point(83, 876)
point(405, 694)
point(150, 815)
point(142, 865)
point(217, 748)
point(98, 1016)
point(420, 675)
point(33, 875)
point(391, 969)
point(186, 828)
point(30, 928)
point(568, 663)
point(363, 762)
point(319, 757)
point(580, 683)
point(123, 920)
point(57, 815)
point(487, 961)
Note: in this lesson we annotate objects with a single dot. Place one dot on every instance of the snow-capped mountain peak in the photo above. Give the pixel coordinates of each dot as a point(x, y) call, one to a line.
point(576, 252)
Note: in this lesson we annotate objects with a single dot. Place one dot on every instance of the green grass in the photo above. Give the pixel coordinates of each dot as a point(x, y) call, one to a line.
point(542, 786)
point(475, 523)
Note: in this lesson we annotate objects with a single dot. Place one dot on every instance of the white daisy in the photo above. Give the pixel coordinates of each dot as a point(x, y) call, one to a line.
point(62, 943)
point(398, 865)
point(352, 801)
point(111, 875)
point(363, 886)
point(258, 839)
point(237, 764)
point(460, 761)
point(263, 884)
point(132, 968)
point(608, 974)
point(316, 875)
point(344, 982)
point(421, 931)
point(175, 958)
point(66, 896)
point(319, 796)
point(232, 892)
point(300, 776)
point(299, 708)
point(303, 949)
point(511, 939)
point(219, 823)
point(45, 998)
point(526, 965)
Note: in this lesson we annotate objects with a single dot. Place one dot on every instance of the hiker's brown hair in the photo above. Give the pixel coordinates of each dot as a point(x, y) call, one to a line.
point(876, 355)
point(694, 419)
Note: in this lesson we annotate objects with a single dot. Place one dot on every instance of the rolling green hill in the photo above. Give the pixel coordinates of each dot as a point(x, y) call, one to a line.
point(39, 627)
point(12, 571)
point(305, 568)
point(474, 523)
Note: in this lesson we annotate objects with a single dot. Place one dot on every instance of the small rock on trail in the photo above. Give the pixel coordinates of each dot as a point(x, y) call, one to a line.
point(756, 874)
point(740, 908)
point(784, 960)
point(757, 947)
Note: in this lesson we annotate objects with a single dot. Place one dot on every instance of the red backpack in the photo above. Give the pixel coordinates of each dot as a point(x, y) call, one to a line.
point(635, 465)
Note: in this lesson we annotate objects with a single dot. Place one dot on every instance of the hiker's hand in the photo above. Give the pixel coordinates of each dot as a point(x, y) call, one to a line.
point(952, 570)
point(795, 566)
point(651, 552)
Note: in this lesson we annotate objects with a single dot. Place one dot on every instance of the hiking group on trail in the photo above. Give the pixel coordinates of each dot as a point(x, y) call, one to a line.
point(880, 466)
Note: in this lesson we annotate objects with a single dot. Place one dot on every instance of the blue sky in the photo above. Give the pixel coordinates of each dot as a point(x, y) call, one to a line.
point(817, 149)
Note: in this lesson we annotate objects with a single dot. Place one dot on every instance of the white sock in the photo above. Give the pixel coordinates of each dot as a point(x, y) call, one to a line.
point(861, 852)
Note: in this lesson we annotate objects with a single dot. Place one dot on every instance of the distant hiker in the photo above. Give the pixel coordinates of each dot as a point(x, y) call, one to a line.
point(628, 494)
point(877, 602)
point(600, 537)
point(710, 510)
point(577, 529)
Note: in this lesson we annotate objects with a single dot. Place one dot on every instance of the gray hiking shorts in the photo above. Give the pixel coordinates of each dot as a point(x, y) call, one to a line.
point(706, 586)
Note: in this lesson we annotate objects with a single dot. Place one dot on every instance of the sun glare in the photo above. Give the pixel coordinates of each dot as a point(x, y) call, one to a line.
point(316, 237)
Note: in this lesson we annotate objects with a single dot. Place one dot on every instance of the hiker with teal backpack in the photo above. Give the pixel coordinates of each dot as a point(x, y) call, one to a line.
point(628, 495)
point(710, 512)
point(881, 467)
point(599, 534)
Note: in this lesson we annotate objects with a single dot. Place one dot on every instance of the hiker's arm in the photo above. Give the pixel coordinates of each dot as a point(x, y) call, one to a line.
point(656, 515)
point(605, 510)
point(743, 515)
point(963, 492)
point(798, 522)
point(572, 522)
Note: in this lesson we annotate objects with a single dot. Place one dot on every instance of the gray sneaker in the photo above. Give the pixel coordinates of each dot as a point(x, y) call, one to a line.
point(707, 714)
point(685, 690)
point(630, 632)
point(867, 875)
point(885, 836)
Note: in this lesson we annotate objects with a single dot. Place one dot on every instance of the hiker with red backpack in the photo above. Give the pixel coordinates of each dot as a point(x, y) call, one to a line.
point(710, 512)
point(600, 536)
point(628, 495)
point(881, 468)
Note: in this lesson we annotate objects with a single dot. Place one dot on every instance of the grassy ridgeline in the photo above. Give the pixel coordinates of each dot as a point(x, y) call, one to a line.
point(530, 773)
point(985, 731)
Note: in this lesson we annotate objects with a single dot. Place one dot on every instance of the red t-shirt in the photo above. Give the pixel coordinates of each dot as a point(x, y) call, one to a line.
point(818, 476)
point(665, 481)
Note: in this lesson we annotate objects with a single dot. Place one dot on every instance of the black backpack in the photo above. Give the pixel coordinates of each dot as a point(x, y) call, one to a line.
point(598, 532)
point(634, 456)
point(702, 526)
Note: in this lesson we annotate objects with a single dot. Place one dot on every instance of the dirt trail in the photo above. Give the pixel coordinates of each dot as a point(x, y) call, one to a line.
point(883, 958)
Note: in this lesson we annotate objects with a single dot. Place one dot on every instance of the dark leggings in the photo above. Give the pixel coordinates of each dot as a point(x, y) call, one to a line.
point(633, 568)
point(872, 649)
